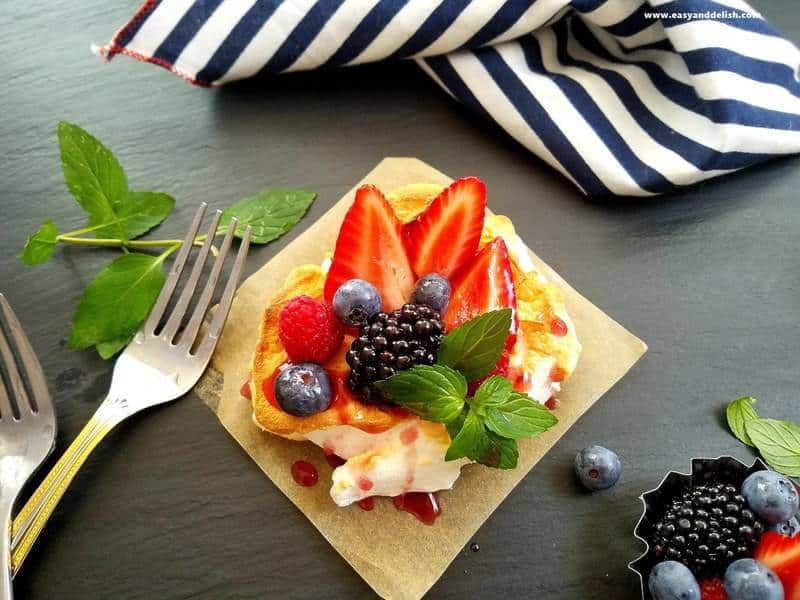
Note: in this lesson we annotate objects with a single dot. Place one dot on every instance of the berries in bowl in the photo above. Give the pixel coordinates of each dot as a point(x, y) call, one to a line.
point(715, 523)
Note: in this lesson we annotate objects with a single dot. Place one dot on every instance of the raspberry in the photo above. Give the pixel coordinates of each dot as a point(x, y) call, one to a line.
point(309, 330)
point(712, 589)
point(501, 368)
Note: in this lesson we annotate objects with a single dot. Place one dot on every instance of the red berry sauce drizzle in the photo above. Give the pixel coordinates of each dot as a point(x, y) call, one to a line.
point(334, 460)
point(423, 505)
point(304, 473)
point(367, 503)
point(245, 390)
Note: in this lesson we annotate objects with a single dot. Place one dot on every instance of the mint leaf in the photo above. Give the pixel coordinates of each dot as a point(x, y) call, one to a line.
point(98, 183)
point(435, 393)
point(136, 214)
point(475, 347)
point(454, 426)
point(778, 442)
point(270, 214)
point(504, 453)
point(473, 441)
point(92, 173)
point(108, 349)
point(740, 411)
point(519, 417)
point(117, 301)
point(492, 392)
point(40, 246)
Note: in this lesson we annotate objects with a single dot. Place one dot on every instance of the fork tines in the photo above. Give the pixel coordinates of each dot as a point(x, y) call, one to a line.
point(188, 337)
point(23, 390)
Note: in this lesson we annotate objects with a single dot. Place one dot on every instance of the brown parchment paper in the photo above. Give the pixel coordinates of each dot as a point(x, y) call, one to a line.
point(399, 557)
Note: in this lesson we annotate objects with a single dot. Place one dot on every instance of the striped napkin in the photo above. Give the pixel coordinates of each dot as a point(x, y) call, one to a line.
point(626, 97)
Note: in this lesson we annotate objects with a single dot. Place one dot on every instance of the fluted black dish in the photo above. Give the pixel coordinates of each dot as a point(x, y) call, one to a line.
point(703, 470)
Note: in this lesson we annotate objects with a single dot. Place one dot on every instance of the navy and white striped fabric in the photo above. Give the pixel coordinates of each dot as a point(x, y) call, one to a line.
point(627, 97)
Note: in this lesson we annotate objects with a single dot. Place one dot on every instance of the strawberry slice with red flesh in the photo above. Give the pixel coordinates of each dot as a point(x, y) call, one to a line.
point(712, 589)
point(446, 235)
point(782, 554)
point(370, 247)
point(486, 284)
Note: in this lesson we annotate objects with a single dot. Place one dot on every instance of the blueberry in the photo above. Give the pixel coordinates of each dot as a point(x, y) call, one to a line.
point(303, 389)
point(356, 301)
point(670, 580)
point(598, 468)
point(789, 528)
point(433, 290)
point(748, 579)
point(771, 496)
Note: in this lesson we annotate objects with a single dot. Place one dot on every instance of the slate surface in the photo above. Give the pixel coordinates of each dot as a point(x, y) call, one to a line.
point(170, 507)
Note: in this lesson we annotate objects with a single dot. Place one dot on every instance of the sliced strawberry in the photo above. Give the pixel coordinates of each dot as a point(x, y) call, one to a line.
point(446, 235)
point(486, 284)
point(712, 589)
point(370, 247)
point(782, 554)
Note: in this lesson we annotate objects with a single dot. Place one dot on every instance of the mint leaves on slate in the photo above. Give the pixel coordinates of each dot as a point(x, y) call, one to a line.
point(777, 441)
point(269, 214)
point(117, 301)
point(484, 427)
point(41, 245)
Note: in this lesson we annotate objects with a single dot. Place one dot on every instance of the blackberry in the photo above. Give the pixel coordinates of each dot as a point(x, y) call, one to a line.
point(392, 342)
point(707, 528)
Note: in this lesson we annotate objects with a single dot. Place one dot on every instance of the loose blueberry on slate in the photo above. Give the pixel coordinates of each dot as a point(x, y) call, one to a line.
point(303, 389)
point(748, 579)
point(432, 290)
point(356, 301)
point(790, 528)
point(598, 468)
point(771, 496)
point(670, 580)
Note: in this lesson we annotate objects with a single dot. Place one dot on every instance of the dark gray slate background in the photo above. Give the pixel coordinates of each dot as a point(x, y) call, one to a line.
point(170, 507)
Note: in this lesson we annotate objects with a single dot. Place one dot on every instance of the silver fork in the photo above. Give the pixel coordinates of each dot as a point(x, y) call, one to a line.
point(27, 437)
point(158, 366)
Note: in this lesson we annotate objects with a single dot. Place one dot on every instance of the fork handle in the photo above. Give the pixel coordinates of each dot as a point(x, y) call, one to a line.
point(6, 590)
point(32, 518)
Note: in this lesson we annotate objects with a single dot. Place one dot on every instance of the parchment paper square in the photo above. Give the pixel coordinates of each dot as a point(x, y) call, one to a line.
point(396, 555)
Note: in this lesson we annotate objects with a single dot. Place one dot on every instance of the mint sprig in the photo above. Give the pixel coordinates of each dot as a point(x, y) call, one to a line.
point(475, 442)
point(484, 427)
point(118, 299)
point(491, 393)
point(475, 347)
point(435, 393)
point(519, 417)
point(269, 214)
point(40, 245)
point(740, 411)
point(778, 442)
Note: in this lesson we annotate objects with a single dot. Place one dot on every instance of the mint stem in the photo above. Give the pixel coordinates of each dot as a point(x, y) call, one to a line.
point(85, 230)
point(130, 244)
point(163, 256)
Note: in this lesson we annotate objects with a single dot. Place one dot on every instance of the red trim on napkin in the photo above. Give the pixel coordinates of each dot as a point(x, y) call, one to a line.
point(114, 47)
